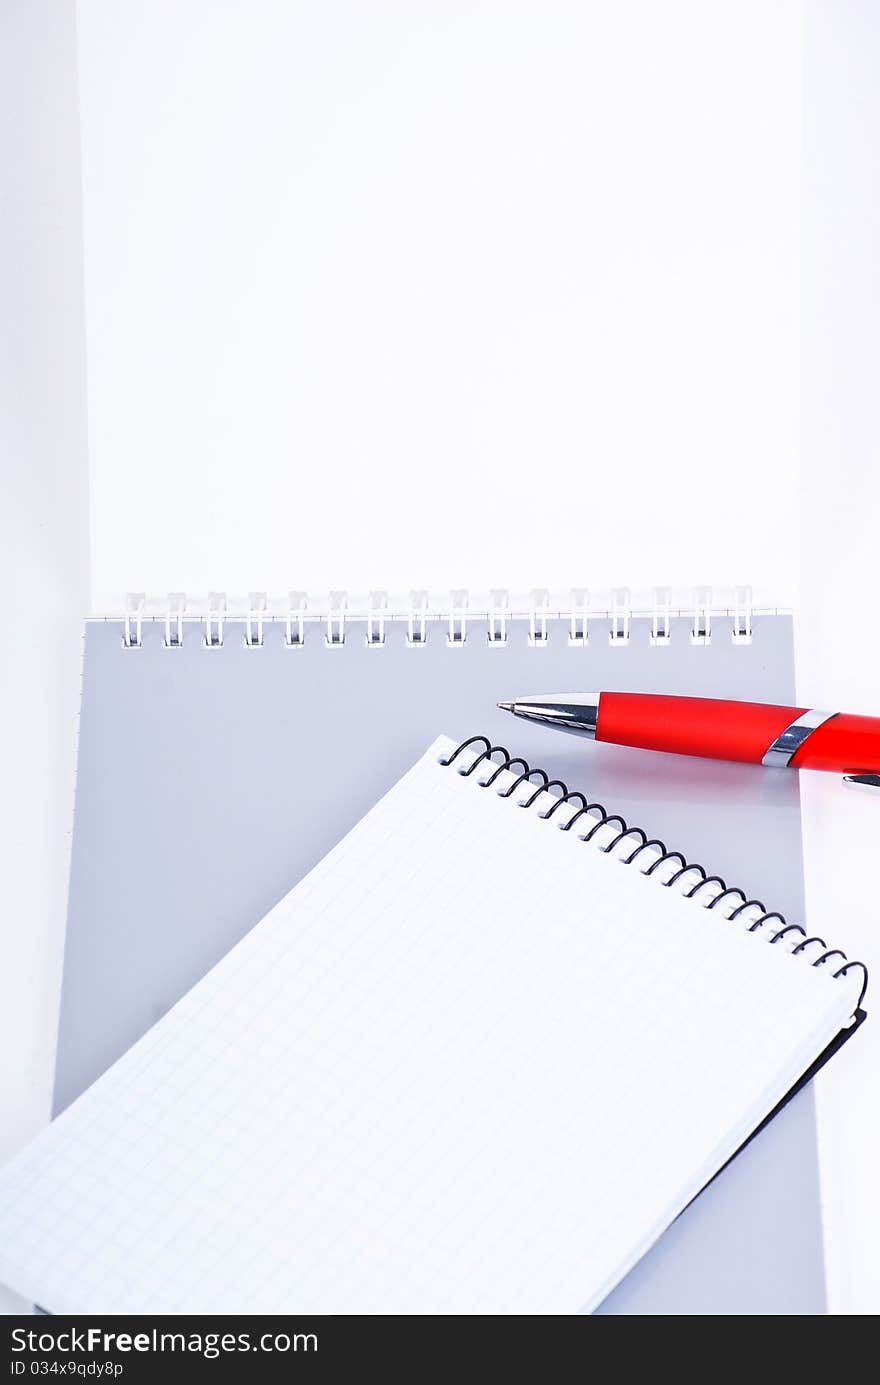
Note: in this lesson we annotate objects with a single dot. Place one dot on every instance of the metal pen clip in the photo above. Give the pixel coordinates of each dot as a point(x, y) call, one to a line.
point(862, 781)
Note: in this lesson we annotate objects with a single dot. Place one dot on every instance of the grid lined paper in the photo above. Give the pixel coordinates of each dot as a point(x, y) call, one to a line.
point(469, 1064)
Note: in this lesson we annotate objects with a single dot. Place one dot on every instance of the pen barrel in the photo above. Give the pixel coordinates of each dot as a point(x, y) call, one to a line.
point(714, 728)
point(846, 744)
point(718, 729)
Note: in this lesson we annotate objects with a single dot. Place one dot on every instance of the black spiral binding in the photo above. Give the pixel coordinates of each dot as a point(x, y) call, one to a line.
point(604, 819)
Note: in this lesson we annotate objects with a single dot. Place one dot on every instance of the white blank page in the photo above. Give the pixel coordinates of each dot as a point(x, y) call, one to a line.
point(417, 273)
point(469, 1064)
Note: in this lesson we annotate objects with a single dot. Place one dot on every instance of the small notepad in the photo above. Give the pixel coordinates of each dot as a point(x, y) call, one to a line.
point(472, 1063)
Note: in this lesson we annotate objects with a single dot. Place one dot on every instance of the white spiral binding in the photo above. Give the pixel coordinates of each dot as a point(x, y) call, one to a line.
point(538, 616)
point(742, 615)
point(701, 632)
point(499, 605)
point(135, 604)
point(662, 610)
point(578, 632)
point(705, 612)
point(335, 636)
point(174, 620)
point(417, 620)
point(214, 617)
point(295, 620)
point(621, 614)
point(253, 633)
point(458, 613)
point(377, 614)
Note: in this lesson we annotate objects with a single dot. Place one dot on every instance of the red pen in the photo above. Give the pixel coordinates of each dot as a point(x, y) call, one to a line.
point(756, 733)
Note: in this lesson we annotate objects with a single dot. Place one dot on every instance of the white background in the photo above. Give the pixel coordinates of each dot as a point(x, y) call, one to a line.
point(44, 549)
point(838, 664)
point(433, 295)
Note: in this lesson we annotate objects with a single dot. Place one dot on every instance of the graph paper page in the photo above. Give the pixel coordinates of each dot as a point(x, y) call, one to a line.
point(470, 1064)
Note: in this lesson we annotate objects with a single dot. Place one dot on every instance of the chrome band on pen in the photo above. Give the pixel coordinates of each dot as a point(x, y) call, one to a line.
point(781, 753)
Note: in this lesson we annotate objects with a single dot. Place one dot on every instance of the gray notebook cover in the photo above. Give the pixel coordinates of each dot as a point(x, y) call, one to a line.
point(210, 781)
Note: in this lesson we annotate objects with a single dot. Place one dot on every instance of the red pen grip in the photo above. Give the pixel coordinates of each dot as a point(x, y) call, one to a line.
point(720, 729)
point(846, 744)
point(715, 728)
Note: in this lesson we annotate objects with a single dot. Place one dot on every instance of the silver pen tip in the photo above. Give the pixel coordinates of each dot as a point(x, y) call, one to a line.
point(506, 706)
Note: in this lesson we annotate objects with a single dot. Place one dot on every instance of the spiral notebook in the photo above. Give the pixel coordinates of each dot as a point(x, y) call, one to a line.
point(225, 748)
point(475, 1062)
